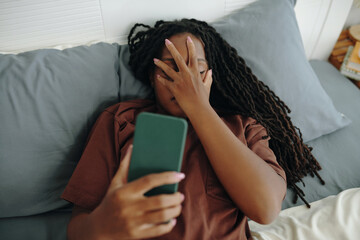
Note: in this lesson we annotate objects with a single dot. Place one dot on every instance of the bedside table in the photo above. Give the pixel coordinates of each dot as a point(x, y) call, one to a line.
point(346, 39)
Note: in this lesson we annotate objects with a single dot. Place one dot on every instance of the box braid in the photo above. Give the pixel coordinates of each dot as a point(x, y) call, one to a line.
point(235, 90)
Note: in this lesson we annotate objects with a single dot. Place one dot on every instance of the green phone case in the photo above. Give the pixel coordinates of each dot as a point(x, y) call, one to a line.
point(159, 142)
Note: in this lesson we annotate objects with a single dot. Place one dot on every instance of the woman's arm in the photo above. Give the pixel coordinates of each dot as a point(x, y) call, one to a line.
point(251, 183)
point(125, 213)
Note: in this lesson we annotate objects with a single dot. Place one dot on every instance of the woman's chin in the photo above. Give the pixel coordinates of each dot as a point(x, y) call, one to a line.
point(172, 109)
point(176, 111)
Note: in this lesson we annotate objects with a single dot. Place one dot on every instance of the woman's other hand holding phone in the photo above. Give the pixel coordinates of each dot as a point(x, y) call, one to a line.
point(125, 213)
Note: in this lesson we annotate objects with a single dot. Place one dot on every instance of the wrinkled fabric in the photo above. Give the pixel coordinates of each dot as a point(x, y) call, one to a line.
point(208, 212)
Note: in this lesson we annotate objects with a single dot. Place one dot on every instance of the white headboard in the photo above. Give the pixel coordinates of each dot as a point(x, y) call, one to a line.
point(32, 24)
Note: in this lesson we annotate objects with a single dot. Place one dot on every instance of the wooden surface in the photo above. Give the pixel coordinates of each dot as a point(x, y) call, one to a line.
point(339, 51)
point(345, 40)
point(354, 32)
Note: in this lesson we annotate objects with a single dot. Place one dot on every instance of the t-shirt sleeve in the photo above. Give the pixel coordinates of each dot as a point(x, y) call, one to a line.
point(96, 167)
point(255, 135)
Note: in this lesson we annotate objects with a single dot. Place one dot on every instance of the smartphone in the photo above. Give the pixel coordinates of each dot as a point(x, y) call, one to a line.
point(158, 146)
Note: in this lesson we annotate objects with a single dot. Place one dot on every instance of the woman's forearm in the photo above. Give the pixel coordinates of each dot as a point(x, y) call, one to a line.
point(250, 182)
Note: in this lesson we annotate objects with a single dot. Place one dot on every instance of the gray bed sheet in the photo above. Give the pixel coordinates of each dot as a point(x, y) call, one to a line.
point(46, 226)
point(338, 154)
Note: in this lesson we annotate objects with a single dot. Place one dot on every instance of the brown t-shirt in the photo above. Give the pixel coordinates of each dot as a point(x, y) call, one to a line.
point(208, 212)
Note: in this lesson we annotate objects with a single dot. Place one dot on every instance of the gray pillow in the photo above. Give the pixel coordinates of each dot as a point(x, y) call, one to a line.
point(49, 100)
point(130, 87)
point(265, 33)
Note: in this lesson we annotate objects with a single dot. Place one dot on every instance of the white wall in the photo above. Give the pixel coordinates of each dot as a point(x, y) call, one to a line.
point(354, 15)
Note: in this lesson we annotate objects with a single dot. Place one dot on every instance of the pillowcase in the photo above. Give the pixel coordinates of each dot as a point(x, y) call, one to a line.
point(265, 33)
point(49, 100)
point(130, 87)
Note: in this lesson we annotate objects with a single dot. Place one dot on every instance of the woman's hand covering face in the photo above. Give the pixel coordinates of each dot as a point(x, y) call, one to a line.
point(188, 85)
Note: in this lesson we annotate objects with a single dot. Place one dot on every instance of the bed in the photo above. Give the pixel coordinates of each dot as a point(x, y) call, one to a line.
point(63, 62)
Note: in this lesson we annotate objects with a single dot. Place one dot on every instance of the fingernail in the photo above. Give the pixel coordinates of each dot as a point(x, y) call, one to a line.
point(189, 39)
point(174, 221)
point(210, 72)
point(180, 175)
point(182, 196)
point(167, 42)
point(155, 60)
point(157, 76)
point(129, 148)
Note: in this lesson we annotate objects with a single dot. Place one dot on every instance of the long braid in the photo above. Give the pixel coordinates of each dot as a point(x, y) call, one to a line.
point(235, 90)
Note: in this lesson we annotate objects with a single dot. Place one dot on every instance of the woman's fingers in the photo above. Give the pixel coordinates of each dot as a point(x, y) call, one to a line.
point(182, 66)
point(144, 184)
point(161, 201)
point(168, 84)
point(180, 62)
point(168, 70)
point(120, 177)
point(193, 62)
point(160, 216)
point(165, 82)
point(208, 79)
point(155, 230)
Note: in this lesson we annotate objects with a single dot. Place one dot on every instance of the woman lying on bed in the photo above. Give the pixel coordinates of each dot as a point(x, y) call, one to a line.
point(241, 150)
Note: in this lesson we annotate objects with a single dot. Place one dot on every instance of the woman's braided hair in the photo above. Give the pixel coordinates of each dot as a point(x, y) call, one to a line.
point(235, 90)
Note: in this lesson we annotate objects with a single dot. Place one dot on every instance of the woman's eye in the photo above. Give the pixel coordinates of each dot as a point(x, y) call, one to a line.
point(202, 72)
point(165, 75)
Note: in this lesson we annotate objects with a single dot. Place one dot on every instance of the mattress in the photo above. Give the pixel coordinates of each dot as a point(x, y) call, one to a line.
point(338, 154)
point(46, 226)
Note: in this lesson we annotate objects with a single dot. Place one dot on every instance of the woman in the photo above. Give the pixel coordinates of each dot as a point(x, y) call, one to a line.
point(233, 169)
